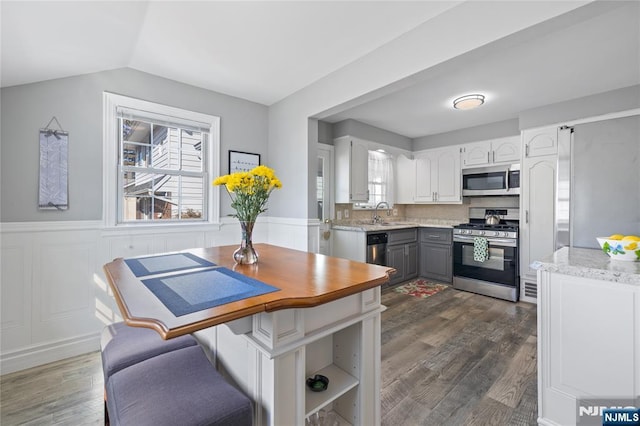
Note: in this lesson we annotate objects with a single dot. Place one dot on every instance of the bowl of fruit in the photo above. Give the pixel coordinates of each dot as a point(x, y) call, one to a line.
point(621, 247)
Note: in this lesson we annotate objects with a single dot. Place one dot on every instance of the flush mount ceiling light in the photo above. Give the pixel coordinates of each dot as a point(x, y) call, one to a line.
point(468, 101)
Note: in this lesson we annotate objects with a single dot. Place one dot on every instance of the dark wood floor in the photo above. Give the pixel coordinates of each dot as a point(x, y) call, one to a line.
point(458, 358)
point(454, 358)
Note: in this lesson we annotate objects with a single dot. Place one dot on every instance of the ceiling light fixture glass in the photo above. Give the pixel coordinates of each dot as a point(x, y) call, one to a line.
point(468, 101)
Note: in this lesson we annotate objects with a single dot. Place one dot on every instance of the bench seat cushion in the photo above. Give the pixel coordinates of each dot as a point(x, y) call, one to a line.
point(123, 346)
point(176, 388)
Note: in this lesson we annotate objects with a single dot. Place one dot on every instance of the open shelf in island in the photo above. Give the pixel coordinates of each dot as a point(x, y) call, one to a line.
point(340, 382)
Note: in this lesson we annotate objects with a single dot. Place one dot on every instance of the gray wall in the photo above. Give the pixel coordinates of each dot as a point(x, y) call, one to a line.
point(77, 103)
point(470, 134)
point(589, 106)
point(370, 133)
point(325, 132)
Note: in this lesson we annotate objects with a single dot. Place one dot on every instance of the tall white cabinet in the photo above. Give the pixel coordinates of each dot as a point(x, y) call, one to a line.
point(537, 204)
point(351, 170)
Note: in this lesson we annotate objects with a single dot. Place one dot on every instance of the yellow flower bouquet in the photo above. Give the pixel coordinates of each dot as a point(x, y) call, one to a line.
point(249, 192)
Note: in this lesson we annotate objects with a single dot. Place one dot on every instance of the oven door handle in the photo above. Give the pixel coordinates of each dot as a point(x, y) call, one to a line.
point(502, 241)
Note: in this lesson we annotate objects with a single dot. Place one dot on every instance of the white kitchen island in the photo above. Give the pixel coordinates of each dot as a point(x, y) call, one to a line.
point(323, 318)
point(588, 331)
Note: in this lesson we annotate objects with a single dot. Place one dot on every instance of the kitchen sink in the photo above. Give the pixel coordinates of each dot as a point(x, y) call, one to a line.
point(372, 223)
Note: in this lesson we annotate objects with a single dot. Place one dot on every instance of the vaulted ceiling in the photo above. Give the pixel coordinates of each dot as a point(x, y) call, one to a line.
point(261, 51)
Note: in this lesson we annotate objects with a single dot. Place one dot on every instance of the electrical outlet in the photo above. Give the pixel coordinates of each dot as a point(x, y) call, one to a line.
point(395, 212)
point(346, 213)
point(339, 215)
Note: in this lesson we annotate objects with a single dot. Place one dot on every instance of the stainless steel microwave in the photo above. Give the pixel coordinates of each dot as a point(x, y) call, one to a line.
point(493, 180)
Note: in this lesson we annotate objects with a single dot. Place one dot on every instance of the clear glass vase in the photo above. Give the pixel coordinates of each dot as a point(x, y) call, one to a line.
point(246, 254)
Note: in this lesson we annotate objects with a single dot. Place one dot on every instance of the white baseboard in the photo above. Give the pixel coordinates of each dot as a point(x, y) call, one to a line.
point(43, 354)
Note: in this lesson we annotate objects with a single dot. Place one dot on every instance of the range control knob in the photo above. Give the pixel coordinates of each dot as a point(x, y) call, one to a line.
point(482, 232)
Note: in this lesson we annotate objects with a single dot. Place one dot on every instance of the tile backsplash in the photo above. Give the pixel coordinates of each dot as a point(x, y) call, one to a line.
point(455, 212)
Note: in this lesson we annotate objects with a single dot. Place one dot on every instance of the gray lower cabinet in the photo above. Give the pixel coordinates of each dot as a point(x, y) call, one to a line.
point(402, 254)
point(436, 254)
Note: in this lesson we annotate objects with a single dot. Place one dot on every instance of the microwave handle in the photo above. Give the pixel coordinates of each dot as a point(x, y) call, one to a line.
point(507, 180)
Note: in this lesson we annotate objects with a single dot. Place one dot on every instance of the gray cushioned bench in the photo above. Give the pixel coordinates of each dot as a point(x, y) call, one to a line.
point(122, 346)
point(150, 381)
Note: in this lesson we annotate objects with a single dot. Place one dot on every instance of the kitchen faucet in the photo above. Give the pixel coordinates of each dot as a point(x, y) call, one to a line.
point(377, 218)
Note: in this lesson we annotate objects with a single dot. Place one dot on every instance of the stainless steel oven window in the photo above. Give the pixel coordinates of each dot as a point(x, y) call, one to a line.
point(495, 261)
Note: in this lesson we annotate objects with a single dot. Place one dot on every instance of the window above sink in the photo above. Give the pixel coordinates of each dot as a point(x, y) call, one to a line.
point(380, 180)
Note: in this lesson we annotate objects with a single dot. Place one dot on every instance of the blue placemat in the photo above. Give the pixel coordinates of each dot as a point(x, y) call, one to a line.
point(194, 291)
point(142, 266)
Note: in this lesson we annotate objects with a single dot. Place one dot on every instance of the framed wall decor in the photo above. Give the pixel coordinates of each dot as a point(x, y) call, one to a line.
point(242, 161)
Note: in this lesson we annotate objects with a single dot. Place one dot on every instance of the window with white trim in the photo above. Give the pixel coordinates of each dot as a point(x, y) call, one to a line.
point(381, 182)
point(161, 160)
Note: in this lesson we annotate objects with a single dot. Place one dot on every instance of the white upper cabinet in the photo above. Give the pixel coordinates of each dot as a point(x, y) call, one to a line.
point(405, 180)
point(497, 151)
point(448, 189)
point(351, 170)
point(539, 142)
point(438, 176)
point(425, 182)
point(476, 154)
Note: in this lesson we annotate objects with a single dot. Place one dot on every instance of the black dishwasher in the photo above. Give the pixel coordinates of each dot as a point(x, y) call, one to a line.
point(377, 248)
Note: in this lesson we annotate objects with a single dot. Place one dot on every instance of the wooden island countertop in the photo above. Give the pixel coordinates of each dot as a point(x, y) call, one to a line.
point(303, 279)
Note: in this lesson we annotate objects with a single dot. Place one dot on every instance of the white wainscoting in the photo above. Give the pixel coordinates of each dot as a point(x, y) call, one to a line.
point(54, 297)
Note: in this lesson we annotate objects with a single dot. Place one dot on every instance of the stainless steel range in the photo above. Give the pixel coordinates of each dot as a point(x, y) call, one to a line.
point(485, 253)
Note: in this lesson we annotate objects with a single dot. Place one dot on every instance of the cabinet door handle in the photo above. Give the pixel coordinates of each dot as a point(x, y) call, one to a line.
point(526, 150)
point(488, 157)
point(493, 153)
point(526, 216)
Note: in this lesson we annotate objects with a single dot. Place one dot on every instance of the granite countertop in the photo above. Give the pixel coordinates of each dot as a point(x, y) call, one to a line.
point(367, 226)
point(590, 263)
